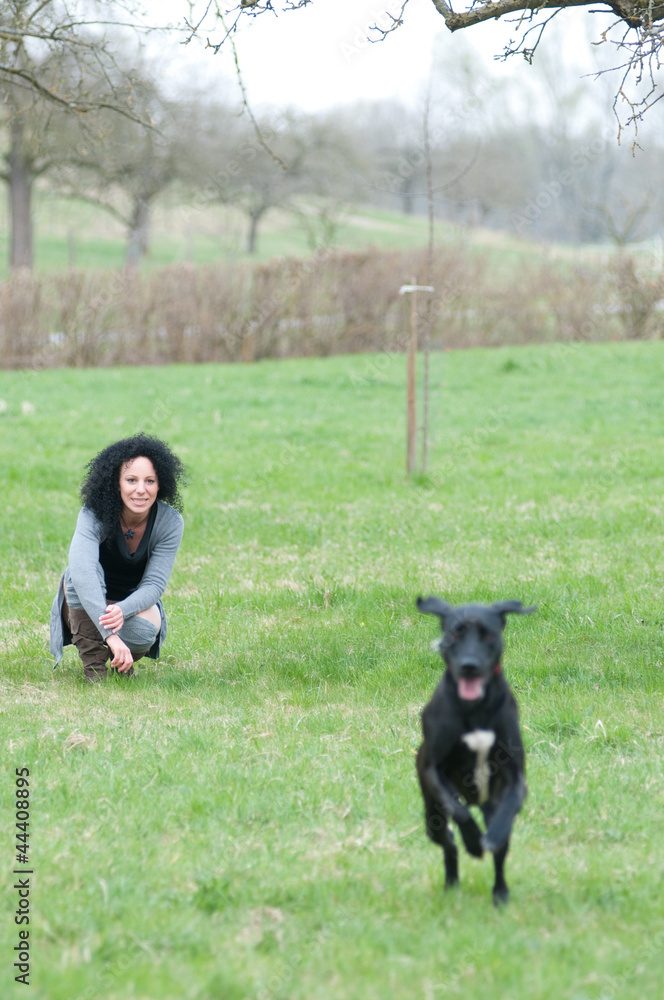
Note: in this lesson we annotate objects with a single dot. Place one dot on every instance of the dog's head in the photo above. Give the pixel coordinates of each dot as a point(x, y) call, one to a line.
point(472, 641)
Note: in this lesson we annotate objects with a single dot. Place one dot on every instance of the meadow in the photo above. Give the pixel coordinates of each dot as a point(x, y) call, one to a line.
point(70, 233)
point(243, 821)
point(73, 233)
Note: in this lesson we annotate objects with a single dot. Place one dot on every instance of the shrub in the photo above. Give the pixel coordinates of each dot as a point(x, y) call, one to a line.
point(333, 302)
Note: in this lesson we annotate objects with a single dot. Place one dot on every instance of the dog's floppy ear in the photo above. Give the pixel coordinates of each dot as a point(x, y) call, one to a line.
point(503, 608)
point(434, 606)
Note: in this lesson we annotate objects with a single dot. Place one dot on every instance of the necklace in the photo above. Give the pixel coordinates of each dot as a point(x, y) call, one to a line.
point(129, 532)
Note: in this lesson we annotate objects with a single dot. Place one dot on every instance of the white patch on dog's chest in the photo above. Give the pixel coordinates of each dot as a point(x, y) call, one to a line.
point(481, 741)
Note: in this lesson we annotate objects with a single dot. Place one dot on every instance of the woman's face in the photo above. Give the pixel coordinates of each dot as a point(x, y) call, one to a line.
point(138, 486)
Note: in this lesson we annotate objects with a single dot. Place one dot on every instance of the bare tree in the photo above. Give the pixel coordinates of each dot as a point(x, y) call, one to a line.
point(124, 166)
point(636, 34)
point(35, 33)
point(331, 177)
point(56, 59)
point(256, 180)
point(399, 154)
point(295, 162)
point(26, 157)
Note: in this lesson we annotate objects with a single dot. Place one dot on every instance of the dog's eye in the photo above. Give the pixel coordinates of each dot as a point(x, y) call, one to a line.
point(459, 630)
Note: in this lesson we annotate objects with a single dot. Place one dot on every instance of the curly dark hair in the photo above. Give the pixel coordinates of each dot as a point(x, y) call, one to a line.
point(100, 490)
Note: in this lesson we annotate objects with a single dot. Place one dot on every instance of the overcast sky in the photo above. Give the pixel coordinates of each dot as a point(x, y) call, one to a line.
point(320, 55)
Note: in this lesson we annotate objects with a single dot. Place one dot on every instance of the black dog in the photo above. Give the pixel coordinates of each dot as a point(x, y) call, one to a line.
point(472, 752)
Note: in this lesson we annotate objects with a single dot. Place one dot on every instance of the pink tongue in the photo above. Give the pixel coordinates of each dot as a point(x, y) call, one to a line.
point(470, 688)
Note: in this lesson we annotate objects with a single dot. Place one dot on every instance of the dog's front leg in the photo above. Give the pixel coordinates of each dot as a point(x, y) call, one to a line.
point(438, 830)
point(437, 824)
point(500, 890)
point(499, 826)
point(445, 795)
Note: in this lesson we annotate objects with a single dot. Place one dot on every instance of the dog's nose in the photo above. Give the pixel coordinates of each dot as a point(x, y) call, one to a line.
point(470, 668)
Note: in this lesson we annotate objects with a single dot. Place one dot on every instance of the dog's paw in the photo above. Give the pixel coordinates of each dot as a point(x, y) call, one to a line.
point(472, 838)
point(500, 896)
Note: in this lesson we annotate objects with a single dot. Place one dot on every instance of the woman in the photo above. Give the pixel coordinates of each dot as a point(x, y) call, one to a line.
point(120, 559)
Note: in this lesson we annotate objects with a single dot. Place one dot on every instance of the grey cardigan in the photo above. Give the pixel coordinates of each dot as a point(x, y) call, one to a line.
point(85, 575)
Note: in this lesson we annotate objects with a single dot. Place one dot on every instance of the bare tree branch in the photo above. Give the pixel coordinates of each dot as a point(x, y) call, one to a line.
point(245, 101)
point(64, 33)
point(71, 104)
point(485, 10)
point(396, 23)
point(640, 46)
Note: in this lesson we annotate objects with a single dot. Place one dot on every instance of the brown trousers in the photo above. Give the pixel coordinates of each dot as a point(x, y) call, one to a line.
point(90, 646)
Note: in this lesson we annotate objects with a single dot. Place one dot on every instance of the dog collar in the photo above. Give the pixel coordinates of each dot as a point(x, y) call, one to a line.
point(498, 669)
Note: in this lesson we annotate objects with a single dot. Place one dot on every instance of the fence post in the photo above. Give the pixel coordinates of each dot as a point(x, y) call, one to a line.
point(411, 394)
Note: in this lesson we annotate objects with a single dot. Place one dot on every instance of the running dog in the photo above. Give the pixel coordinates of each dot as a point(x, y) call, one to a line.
point(472, 752)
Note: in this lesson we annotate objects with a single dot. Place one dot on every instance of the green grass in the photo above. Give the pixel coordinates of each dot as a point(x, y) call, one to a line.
point(243, 821)
point(71, 232)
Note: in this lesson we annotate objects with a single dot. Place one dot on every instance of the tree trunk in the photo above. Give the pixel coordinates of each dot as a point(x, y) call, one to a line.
point(137, 244)
point(20, 197)
point(429, 280)
point(254, 218)
point(407, 204)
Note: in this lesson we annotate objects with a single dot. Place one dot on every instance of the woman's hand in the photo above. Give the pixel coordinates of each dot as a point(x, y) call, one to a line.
point(112, 619)
point(122, 658)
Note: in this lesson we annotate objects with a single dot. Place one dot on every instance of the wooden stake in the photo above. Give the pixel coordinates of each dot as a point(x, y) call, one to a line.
point(411, 389)
point(411, 393)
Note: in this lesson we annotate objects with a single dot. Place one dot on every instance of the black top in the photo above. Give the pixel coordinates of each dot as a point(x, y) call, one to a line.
point(123, 570)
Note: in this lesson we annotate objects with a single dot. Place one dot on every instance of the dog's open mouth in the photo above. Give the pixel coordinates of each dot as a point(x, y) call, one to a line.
point(470, 688)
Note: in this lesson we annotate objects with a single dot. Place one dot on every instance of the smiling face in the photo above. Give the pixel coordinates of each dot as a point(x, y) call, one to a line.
point(139, 487)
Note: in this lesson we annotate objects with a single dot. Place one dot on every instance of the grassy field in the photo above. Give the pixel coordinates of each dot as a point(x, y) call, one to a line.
point(74, 233)
point(243, 821)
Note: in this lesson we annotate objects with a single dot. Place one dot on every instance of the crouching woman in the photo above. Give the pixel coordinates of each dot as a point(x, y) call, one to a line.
point(120, 559)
